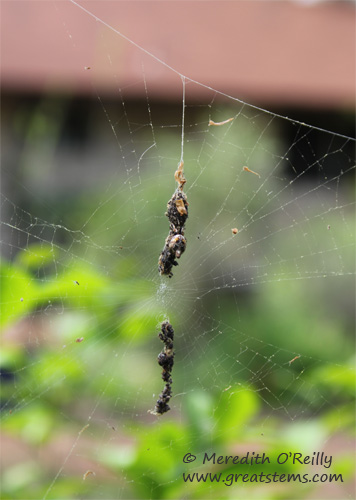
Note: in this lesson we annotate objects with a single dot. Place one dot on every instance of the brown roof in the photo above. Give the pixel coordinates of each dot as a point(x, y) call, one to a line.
point(280, 52)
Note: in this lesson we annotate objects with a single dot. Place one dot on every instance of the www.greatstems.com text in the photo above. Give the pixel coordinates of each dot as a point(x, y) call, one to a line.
point(230, 479)
point(315, 459)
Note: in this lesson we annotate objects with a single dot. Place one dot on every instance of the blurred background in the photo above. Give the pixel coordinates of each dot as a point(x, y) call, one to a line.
point(91, 128)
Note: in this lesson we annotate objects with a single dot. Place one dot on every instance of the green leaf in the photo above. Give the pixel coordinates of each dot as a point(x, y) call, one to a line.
point(200, 410)
point(140, 321)
point(19, 293)
point(236, 408)
point(37, 255)
point(340, 379)
point(33, 423)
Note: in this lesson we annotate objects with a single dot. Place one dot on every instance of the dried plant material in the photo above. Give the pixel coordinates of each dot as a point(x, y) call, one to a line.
point(173, 249)
point(246, 169)
point(234, 230)
point(179, 175)
point(292, 360)
point(177, 218)
point(88, 473)
point(218, 124)
point(174, 246)
point(166, 361)
point(181, 207)
point(177, 213)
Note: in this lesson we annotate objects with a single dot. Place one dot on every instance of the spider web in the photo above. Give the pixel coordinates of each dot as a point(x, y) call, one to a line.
point(260, 303)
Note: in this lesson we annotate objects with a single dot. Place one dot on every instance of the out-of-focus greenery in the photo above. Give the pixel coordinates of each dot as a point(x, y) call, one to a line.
point(266, 366)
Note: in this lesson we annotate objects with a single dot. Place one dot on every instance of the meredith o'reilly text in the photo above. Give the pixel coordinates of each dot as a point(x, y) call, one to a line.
point(251, 458)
